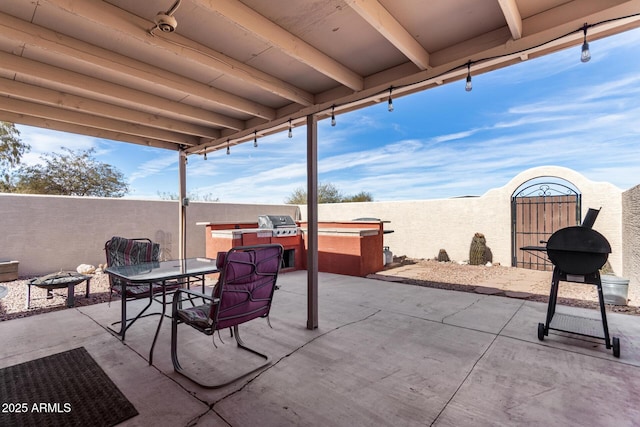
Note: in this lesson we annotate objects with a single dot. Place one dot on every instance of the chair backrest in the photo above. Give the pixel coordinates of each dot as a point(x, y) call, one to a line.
point(123, 251)
point(246, 285)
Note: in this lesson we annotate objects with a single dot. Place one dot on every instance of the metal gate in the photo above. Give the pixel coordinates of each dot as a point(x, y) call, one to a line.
point(537, 211)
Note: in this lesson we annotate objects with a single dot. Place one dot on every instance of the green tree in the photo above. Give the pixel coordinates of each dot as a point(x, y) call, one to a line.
point(194, 197)
point(11, 151)
point(327, 193)
point(72, 174)
point(362, 196)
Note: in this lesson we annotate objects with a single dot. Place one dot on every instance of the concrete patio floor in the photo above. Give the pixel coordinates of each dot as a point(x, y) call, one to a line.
point(384, 354)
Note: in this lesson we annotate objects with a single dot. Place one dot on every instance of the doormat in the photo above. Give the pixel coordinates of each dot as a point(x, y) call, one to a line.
point(64, 389)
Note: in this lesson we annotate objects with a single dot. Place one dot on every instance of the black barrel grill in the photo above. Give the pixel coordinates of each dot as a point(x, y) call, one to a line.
point(577, 254)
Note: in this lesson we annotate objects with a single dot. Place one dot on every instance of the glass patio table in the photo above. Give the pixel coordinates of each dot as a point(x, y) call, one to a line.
point(164, 273)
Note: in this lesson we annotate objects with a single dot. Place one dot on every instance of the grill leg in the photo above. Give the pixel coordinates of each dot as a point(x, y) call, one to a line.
point(553, 297)
point(603, 312)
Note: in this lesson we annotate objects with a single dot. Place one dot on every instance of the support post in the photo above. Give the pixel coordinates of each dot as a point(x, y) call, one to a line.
point(312, 221)
point(183, 202)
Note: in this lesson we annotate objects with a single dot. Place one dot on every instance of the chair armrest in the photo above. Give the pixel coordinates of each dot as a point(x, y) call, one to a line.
point(178, 299)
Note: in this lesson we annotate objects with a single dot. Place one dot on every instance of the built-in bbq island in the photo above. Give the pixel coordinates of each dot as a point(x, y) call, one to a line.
point(353, 248)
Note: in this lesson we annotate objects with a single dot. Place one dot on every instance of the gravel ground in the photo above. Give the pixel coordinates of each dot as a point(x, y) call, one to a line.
point(499, 280)
point(12, 306)
point(504, 281)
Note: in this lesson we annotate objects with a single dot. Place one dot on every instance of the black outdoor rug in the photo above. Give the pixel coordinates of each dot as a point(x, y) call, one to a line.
point(65, 389)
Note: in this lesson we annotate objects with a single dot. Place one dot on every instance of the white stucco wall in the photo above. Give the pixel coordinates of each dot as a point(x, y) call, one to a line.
point(631, 234)
point(423, 227)
point(51, 233)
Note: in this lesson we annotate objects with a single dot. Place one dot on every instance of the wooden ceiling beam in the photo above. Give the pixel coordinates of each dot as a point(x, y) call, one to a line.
point(30, 120)
point(56, 78)
point(37, 38)
point(67, 101)
point(380, 19)
point(119, 22)
point(512, 16)
point(249, 20)
point(19, 106)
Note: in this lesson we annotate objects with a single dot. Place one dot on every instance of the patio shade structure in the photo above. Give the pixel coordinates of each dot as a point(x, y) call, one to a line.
point(197, 76)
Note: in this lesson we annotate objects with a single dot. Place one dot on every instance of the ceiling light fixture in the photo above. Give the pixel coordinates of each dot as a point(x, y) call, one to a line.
point(255, 138)
point(165, 21)
point(228, 148)
point(333, 115)
point(390, 103)
point(468, 86)
point(586, 54)
point(290, 130)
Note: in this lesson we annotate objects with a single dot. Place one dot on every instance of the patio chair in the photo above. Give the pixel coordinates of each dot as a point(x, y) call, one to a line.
point(124, 251)
point(244, 292)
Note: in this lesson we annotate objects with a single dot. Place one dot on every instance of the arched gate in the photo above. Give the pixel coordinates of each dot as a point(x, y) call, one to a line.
point(537, 211)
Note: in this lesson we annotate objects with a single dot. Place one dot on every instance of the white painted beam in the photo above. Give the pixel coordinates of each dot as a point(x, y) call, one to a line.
point(67, 101)
point(121, 23)
point(90, 87)
point(19, 106)
point(40, 122)
point(380, 19)
point(250, 20)
point(512, 16)
point(110, 63)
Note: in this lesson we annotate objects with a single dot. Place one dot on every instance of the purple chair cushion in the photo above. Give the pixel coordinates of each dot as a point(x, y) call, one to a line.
point(246, 285)
point(197, 316)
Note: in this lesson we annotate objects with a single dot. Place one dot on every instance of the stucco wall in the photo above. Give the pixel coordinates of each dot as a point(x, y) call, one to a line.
point(631, 234)
point(49, 233)
point(423, 227)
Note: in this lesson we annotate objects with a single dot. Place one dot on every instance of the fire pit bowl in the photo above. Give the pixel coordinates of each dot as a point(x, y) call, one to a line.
point(578, 250)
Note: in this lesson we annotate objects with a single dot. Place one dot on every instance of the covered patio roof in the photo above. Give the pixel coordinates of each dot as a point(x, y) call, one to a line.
point(234, 70)
point(201, 75)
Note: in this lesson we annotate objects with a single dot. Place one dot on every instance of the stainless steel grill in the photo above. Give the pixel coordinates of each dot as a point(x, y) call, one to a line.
point(280, 225)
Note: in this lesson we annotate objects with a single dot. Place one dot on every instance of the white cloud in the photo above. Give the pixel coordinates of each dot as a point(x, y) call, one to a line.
point(44, 141)
point(154, 167)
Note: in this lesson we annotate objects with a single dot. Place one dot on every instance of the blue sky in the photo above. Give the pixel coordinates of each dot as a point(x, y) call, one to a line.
point(444, 142)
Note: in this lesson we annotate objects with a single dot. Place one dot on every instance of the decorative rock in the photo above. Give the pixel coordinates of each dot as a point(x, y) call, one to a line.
point(443, 256)
point(488, 264)
point(487, 290)
point(86, 269)
point(515, 294)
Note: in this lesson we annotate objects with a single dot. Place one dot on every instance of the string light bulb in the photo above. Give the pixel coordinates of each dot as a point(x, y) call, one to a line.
point(468, 86)
point(586, 54)
point(290, 130)
point(333, 115)
point(390, 103)
point(255, 138)
point(228, 148)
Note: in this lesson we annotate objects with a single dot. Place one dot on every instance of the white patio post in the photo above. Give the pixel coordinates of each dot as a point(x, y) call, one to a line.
point(312, 221)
